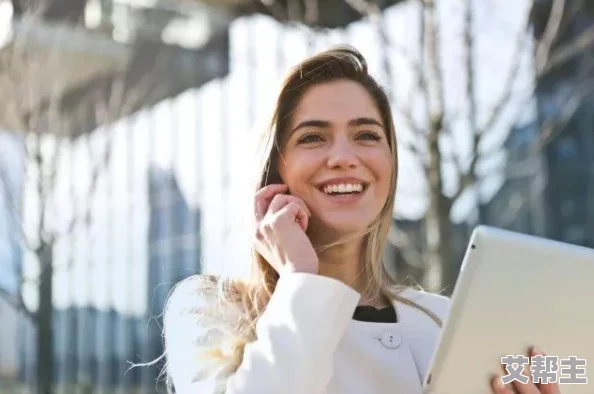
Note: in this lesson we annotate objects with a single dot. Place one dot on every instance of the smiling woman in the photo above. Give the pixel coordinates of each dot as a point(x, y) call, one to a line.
point(337, 158)
point(320, 313)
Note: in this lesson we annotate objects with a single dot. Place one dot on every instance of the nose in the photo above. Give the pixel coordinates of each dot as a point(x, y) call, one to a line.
point(342, 154)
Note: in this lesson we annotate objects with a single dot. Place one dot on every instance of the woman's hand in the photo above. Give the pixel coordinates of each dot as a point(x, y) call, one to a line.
point(281, 222)
point(528, 388)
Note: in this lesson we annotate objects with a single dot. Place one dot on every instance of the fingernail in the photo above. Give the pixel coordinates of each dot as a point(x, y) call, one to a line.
point(536, 351)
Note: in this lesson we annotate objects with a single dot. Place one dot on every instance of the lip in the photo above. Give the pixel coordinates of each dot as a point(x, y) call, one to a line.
point(344, 199)
point(342, 180)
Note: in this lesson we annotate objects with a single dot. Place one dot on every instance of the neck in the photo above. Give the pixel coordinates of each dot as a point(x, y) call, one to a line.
point(345, 262)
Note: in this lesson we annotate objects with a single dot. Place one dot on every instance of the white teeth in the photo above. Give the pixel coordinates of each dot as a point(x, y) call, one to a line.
point(344, 188)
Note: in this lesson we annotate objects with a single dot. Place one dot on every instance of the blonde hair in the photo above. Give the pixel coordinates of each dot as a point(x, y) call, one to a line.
point(338, 63)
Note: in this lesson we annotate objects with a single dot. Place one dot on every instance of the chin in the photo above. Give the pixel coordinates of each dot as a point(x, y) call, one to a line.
point(344, 226)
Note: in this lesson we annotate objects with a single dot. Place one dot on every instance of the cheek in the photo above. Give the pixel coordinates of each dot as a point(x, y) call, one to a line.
point(382, 166)
point(298, 170)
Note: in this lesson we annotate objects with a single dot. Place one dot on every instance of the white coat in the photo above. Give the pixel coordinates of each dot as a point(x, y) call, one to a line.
point(308, 342)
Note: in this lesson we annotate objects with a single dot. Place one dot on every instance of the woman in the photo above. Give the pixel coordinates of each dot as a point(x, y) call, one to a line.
point(320, 314)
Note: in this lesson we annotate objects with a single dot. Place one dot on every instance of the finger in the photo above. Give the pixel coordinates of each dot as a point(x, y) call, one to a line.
point(546, 388)
point(292, 209)
point(280, 200)
point(526, 388)
point(499, 387)
point(295, 210)
point(264, 196)
point(302, 218)
point(549, 388)
point(301, 203)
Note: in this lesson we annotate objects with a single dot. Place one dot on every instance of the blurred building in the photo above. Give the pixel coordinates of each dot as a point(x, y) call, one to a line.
point(550, 186)
point(95, 50)
point(190, 80)
point(9, 356)
point(11, 254)
point(405, 247)
point(96, 346)
point(567, 93)
point(519, 204)
point(174, 253)
point(123, 57)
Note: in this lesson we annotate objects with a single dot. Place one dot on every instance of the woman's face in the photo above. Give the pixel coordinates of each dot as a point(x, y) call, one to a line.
point(336, 156)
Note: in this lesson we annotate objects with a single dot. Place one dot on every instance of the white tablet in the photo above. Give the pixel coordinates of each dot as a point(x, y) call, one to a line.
point(515, 291)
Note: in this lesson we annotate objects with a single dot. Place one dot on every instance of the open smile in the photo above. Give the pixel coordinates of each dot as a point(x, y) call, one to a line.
point(343, 190)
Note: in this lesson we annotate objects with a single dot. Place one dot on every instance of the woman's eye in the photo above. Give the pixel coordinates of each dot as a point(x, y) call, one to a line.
point(310, 138)
point(370, 136)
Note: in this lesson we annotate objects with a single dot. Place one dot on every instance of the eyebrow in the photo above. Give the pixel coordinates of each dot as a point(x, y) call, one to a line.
point(325, 124)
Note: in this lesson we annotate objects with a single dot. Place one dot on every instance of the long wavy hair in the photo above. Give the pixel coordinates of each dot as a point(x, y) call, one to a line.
point(253, 295)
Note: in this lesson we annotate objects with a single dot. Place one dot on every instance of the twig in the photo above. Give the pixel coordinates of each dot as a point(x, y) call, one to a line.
point(406, 113)
point(17, 303)
point(552, 127)
point(566, 52)
point(405, 246)
point(507, 86)
point(373, 12)
point(543, 48)
point(512, 209)
point(434, 75)
point(12, 207)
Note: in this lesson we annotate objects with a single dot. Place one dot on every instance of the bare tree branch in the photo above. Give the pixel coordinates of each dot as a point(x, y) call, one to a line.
point(433, 69)
point(566, 52)
point(434, 102)
point(550, 34)
point(521, 42)
point(470, 69)
point(12, 207)
point(413, 147)
point(373, 12)
point(466, 178)
point(45, 125)
point(406, 113)
point(400, 239)
point(17, 303)
point(119, 102)
point(553, 127)
point(513, 208)
point(508, 85)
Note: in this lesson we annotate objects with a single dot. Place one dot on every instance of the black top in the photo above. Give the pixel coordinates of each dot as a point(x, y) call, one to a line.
point(375, 315)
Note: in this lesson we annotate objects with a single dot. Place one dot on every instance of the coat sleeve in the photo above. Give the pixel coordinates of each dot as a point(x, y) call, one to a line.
point(296, 338)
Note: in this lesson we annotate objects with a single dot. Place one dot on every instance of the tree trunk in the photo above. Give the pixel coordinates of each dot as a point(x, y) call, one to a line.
point(45, 344)
point(437, 219)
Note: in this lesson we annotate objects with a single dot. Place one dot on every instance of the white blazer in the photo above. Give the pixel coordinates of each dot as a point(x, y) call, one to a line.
point(308, 342)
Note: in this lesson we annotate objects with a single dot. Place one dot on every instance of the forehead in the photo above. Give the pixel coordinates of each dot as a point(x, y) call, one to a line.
point(336, 101)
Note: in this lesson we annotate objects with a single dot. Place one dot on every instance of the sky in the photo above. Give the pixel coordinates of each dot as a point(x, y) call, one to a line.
point(228, 114)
